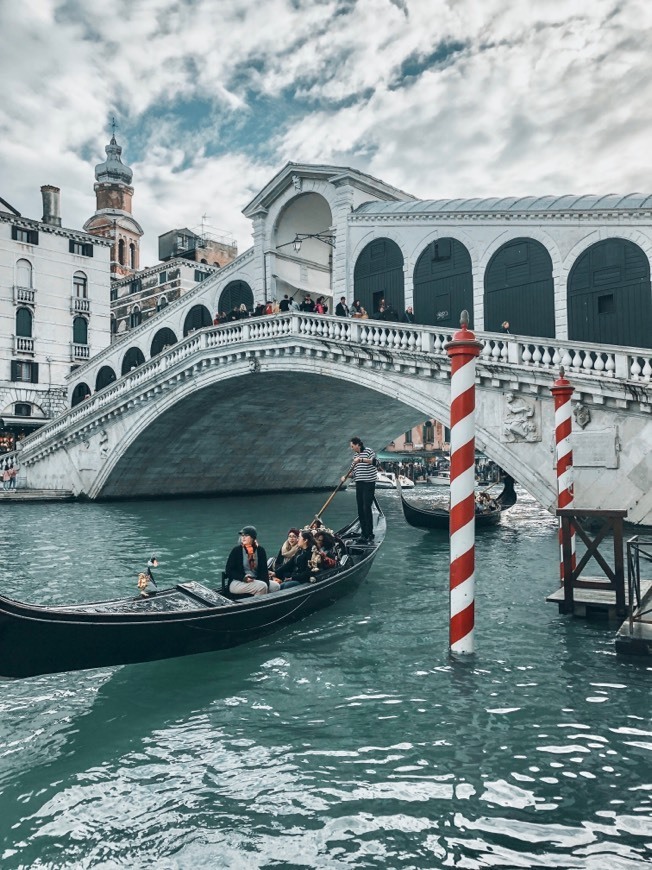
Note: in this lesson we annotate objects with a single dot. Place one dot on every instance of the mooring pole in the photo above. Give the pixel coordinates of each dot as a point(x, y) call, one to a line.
point(562, 390)
point(462, 350)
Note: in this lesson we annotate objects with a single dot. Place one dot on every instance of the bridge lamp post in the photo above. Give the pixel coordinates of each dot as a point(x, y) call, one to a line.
point(297, 241)
point(463, 350)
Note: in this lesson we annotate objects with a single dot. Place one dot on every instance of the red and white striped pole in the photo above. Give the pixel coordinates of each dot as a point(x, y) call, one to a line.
point(462, 350)
point(562, 390)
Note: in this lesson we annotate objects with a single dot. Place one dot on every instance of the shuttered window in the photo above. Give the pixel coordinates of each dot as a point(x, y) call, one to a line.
point(20, 234)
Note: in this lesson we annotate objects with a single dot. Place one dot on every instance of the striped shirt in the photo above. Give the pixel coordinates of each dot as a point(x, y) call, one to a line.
point(365, 471)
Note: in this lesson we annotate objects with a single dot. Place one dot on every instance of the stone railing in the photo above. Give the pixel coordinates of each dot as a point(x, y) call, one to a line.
point(80, 351)
point(607, 365)
point(157, 320)
point(23, 344)
point(78, 305)
point(24, 295)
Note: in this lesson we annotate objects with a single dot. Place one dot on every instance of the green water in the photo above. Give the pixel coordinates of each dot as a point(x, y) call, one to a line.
point(348, 740)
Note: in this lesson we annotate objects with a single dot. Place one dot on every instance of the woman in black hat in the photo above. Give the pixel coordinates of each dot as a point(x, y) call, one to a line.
point(246, 567)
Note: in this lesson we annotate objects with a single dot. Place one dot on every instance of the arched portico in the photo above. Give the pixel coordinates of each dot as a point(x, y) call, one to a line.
point(378, 274)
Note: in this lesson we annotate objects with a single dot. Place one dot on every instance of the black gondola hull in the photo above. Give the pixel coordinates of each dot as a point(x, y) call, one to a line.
point(439, 518)
point(40, 640)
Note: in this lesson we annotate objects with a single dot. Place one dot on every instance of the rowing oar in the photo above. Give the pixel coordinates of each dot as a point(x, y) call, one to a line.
point(332, 495)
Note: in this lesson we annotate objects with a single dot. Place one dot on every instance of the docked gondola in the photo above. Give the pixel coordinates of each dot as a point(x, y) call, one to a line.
point(439, 518)
point(187, 619)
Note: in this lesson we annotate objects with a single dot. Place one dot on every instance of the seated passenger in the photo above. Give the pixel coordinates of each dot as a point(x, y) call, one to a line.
point(324, 555)
point(298, 569)
point(246, 567)
point(288, 549)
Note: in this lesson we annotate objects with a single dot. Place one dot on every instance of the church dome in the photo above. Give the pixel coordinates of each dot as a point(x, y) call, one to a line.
point(113, 170)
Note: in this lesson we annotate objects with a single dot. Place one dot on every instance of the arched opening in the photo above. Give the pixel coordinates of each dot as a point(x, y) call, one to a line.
point(609, 295)
point(133, 358)
point(24, 322)
point(80, 285)
point(121, 252)
point(80, 330)
point(105, 376)
point(519, 288)
point(82, 391)
point(236, 293)
point(378, 275)
point(443, 284)
point(24, 274)
point(161, 303)
point(198, 317)
point(305, 223)
point(163, 338)
point(132, 255)
point(136, 317)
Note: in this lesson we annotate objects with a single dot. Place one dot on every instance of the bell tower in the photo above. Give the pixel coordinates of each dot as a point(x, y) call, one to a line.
point(113, 218)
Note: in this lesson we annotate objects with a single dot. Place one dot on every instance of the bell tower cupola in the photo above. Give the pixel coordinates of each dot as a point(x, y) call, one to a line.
point(113, 218)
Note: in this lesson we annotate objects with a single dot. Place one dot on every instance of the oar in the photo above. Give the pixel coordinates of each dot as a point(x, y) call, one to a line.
point(332, 495)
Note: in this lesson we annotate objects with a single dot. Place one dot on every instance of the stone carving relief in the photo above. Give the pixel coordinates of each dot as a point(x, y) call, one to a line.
point(297, 181)
point(104, 444)
point(582, 415)
point(520, 419)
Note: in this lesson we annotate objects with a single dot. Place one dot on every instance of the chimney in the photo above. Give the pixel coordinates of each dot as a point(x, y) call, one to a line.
point(50, 196)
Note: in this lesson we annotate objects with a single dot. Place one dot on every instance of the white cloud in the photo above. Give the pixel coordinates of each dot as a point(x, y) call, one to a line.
point(547, 97)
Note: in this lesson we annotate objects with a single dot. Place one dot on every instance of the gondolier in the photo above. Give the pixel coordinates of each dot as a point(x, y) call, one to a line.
point(365, 474)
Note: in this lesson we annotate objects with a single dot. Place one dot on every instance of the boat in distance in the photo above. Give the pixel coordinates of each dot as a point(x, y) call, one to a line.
point(439, 518)
point(187, 619)
point(388, 480)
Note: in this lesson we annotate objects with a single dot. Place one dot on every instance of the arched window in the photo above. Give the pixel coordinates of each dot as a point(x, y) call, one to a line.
point(518, 288)
point(105, 376)
point(198, 317)
point(163, 338)
point(82, 391)
point(80, 330)
point(134, 357)
point(609, 298)
point(443, 284)
point(235, 293)
point(80, 285)
point(161, 303)
point(136, 317)
point(24, 274)
point(121, 252)
point(132, 255)
point(378, 274)
point(24, 322)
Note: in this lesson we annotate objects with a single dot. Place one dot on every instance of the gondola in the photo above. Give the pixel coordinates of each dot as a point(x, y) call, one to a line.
point(439, 518)
point(187, 619)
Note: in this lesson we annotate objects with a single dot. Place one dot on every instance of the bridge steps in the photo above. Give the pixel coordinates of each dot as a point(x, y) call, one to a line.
point(31, 495)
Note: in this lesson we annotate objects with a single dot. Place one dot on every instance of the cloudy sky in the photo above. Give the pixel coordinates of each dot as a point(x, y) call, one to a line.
point(442, 98)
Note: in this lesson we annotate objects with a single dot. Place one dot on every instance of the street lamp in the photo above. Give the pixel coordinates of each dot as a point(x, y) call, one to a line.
point(299, 238)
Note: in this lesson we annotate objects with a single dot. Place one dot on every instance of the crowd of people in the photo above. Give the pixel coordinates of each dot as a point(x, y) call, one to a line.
point(384, 311)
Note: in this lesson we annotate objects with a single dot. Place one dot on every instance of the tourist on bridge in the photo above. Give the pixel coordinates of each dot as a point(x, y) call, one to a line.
point(365, 474)
point(13, 472)
point(342, 309)
point(246, 568)
point(284, 304)
point(356, 308)
point(320, 306)
point(6, 476)
point(409, 317)
point(307, 304)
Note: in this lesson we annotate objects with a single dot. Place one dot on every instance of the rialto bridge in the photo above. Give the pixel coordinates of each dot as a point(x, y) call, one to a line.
point(269, 403)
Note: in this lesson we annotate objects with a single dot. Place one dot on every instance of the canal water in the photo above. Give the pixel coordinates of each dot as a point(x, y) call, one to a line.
point(348, 740)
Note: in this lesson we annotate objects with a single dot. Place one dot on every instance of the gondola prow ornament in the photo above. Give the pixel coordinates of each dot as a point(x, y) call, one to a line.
point(463, 349)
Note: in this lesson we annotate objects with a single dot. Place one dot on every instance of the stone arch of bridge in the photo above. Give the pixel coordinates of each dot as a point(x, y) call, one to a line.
point(289, 198)
point(213, 415)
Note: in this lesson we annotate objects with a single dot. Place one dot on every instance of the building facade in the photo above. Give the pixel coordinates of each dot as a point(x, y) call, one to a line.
point(137, 298)
point(207, 248)
point(54, 312)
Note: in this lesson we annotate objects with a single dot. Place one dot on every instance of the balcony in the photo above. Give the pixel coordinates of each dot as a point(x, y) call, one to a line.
point(79, 305)
point(80, 351)
point(24, 295)
point(23, 345)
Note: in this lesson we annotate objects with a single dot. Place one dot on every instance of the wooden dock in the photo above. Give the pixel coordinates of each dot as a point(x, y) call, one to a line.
point(594, 601)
